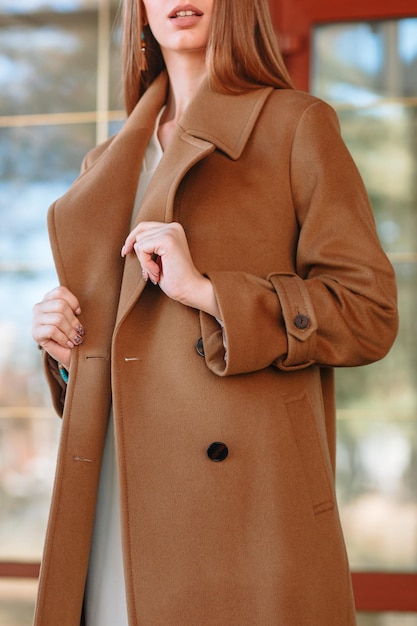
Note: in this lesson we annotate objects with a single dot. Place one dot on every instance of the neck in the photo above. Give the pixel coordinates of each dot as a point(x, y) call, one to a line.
point(186, 73)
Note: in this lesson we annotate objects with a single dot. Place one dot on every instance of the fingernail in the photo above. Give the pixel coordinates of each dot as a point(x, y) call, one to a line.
point(78, 311)
point(77, 340)
point(145, 275)
point(80, 330)
point(123, 253)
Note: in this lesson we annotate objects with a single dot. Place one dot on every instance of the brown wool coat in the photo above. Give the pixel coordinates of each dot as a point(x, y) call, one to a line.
point(277, 216)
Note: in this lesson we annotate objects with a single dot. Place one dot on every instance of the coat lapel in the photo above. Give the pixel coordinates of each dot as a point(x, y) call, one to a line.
point(158, 204)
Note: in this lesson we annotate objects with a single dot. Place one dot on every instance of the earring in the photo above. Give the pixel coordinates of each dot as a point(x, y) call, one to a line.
point(143, 60)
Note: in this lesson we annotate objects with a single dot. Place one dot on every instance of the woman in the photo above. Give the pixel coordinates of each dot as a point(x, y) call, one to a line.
point(249, 268)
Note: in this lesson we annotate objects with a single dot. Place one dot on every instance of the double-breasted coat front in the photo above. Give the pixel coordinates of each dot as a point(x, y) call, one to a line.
point(224, 437)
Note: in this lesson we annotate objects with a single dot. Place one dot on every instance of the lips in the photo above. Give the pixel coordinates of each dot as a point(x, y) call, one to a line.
point(185, 11)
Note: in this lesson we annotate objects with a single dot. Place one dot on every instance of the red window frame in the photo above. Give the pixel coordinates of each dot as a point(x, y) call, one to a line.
point(294, 21)
point(373, 591)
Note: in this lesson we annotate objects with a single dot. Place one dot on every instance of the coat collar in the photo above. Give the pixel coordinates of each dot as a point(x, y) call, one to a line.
point(224, 120)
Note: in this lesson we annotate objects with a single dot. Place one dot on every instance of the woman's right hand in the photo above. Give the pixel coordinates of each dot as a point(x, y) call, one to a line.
point(55, 325)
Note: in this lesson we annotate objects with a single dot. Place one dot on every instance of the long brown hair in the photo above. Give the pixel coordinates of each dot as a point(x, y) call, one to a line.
point(242, 51)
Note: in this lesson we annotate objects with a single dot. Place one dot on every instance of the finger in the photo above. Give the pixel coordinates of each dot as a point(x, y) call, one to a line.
point(49, 333)
point(150, 262)
point(62, 293)
point(141, 228)
point(57, 314)
point(50, 329)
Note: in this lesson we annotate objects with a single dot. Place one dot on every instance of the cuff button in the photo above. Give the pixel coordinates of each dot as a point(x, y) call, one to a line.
point(301, 321)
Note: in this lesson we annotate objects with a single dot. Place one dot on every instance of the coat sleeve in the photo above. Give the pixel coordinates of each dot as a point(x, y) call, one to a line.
point(338, 308)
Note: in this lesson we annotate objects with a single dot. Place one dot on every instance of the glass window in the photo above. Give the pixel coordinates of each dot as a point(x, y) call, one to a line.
point(368, 72)
point(48, 62)
point(61, 88)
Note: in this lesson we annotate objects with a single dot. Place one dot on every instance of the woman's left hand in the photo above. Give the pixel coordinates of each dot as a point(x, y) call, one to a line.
point(163, 252)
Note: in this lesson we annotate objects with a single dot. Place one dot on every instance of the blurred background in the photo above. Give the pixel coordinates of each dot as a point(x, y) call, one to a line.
point(60, 95)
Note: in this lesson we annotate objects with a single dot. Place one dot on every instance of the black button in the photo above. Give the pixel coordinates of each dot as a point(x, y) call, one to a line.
point(301, 321)
point(200, 347)
point(217, 451)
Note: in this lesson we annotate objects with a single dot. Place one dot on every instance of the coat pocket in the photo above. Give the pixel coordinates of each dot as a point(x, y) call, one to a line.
point(309, 445)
